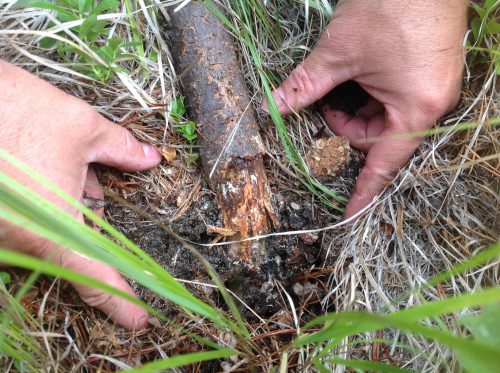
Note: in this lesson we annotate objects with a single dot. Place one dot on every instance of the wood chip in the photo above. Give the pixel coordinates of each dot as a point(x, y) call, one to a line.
point(168, 153)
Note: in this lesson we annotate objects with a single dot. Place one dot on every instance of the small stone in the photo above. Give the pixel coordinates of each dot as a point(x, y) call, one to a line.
point(307, 290)
point(295, 206)
point(298, 289)
point(155, 322)
point(277, 259)
point(283, 319)
point(182, 197)
point(227, 339)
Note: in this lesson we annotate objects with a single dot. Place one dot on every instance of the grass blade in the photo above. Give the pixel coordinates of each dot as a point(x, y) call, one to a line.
point(371, 366)
point(183, 360)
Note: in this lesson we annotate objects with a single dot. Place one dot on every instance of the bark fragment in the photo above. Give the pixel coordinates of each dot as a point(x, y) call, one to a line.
point(217, 99)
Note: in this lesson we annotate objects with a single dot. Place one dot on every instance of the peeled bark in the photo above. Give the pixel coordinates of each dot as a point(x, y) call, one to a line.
point(217, 99)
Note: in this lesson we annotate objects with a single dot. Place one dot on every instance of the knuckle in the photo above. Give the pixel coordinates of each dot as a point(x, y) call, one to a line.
point(91, 117)
point(128, 142)
point(103, 300)
point(94, 297)
point(433, 102)
point(438, 100)
point(24, 241)
point(300, 81)
point(381, 174)
point(81, 112)
point(94, 123)
point(42, 248)
point(98, 299)
point(90, 122)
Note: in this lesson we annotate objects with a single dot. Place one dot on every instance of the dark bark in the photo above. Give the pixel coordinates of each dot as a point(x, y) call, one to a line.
point(217, 99)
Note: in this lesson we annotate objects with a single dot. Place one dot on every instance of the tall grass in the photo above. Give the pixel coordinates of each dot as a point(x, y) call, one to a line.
point(22, 206)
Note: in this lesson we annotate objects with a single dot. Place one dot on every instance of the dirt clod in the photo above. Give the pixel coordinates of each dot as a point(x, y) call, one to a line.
point(308, 290)
point(328, 157)
point(285, 258)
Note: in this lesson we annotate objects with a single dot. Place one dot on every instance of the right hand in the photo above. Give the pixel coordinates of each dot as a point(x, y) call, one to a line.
point(59, 136)
point(407, 55)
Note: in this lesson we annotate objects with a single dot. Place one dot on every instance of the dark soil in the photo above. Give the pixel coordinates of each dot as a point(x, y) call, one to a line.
point(287, 258)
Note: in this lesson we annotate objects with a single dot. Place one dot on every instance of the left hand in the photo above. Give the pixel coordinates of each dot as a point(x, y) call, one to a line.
point(59, 137)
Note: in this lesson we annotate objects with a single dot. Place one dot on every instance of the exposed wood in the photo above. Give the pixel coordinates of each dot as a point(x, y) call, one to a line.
point(217, 99)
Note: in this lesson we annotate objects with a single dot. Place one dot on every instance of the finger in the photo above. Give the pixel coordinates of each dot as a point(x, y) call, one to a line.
point(93, 191)
point(385, 158)
point(116, 147)
point(356, 128)
point(123, 312)
point(311, 80)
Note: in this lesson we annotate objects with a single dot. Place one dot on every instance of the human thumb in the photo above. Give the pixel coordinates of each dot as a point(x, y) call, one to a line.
point(116, 147)
point(321, 71)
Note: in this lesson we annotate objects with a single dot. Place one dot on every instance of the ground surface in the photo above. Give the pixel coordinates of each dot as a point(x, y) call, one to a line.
point(286, 259)
point(441, 209)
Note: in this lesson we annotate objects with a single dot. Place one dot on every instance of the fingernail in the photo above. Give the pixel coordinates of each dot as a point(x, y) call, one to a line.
point(142, 322)
point(149, 150)
point(277, 95)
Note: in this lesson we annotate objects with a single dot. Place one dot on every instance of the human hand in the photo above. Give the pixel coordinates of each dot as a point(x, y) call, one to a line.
point(407, 55)
point(59, 136)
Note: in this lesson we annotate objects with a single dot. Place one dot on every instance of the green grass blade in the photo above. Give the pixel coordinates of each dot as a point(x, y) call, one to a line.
point(482, 357)
point(320, 367)
point(426, 310)
point(113, 254)
point(28, 262)
point(491, 253)
point(183, 360)
point(45, 219)
point(50, 222)
point(85, 211)
point(13, 340)
point(370, 366)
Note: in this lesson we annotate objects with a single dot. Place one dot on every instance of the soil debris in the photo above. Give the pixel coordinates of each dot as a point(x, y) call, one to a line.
point(307, 290)
point(285, 259)
point(309, 238)
point(328, 157)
